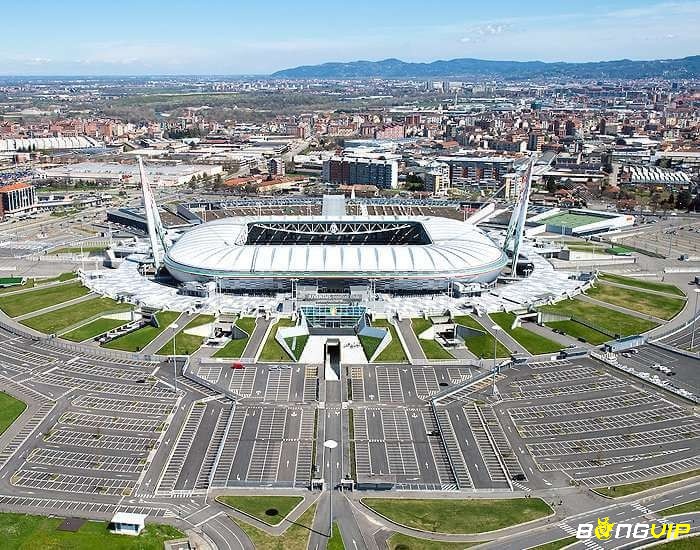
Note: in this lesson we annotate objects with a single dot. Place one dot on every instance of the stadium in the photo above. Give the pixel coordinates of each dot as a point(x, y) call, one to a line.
point(396, 253)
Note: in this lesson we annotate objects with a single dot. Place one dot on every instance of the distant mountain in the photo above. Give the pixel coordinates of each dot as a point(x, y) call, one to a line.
point(687, 67)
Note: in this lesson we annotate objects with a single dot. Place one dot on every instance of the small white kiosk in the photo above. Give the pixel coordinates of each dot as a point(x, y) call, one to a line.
point(124, 523)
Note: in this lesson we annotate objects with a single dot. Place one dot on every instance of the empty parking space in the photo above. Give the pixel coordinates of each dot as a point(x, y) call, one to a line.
point(98, 440)
point(112, 422)
point(397, 443)
point(123, 405)
point(210, 373)
point(266, 445)
point(86, 461)
point(242, 381)
point(425, 381)
point(50, 481)
point(132, 390)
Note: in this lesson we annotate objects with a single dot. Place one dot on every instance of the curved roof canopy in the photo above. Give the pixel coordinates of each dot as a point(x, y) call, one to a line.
point(347, 246)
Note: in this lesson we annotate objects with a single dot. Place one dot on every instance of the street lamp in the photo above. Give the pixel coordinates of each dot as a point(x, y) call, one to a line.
point(330, 444)
point(174, 327)
point(495, 329)
point(695, 316)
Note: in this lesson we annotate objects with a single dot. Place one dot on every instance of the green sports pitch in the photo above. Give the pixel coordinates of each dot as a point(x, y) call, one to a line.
point(571, 220)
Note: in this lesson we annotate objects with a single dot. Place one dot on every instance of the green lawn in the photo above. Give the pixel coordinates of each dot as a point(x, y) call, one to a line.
point(641, 283)
point(77, 249)
point(532, 342)
point(296, 537)
point(431, 348)
point(10, 409)
point(643, 302)
point(399, 541)
point(394, 352)
point(459, 516)
point(604, 318)
point(688, 507)
point(259, 506)
point(556, 544)
point(272, 352)
point(187, 344)
point(577, 330)
point(369, 345)
point(336, 540)
point(481, 346)
point(60, 319)
point(234, 348)
point(31, 283)
point(92, 329)
point(139, 339)
point(297, 345)
point(15, 305)
point(631, 488)
point(24, 532)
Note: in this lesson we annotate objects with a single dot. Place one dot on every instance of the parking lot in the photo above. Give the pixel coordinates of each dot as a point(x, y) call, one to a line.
point(685, 369)
point(98, 441)
point(266, 445)
point(402, 384)
point(594, 426)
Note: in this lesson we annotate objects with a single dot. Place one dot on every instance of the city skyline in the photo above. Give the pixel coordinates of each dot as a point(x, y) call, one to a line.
point(79, 39)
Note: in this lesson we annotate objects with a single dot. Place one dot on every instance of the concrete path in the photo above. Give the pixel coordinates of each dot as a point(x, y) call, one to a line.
point(164, 337)
point(502, 336)
point(414, 348)
point(257, 338)
point(563, 339)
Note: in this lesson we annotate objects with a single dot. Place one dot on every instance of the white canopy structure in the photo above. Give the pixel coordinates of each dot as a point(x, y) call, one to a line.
point(395, 251)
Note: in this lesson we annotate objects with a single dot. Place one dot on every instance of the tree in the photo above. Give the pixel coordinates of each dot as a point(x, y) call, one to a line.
point(414, 183)
point(551, 184)
point(683, 200)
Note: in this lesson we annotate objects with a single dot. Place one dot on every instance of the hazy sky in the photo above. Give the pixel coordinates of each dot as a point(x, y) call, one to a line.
point(258, 37)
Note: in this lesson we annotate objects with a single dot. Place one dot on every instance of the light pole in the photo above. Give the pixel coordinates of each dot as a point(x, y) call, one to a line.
point(330, 444)
point(174, 327)
point(495, 329)
point(695, 316)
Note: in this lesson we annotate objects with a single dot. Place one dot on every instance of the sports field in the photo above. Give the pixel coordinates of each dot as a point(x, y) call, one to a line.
point(570, 220)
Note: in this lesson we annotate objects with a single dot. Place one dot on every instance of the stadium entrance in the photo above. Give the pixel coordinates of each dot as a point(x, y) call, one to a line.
point(332, 319)
point(332, 359)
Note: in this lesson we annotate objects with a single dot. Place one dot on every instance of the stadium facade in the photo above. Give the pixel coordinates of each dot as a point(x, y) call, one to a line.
point(393, 253)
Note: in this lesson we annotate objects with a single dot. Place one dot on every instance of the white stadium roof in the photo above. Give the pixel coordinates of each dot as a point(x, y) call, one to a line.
point(221, 248)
